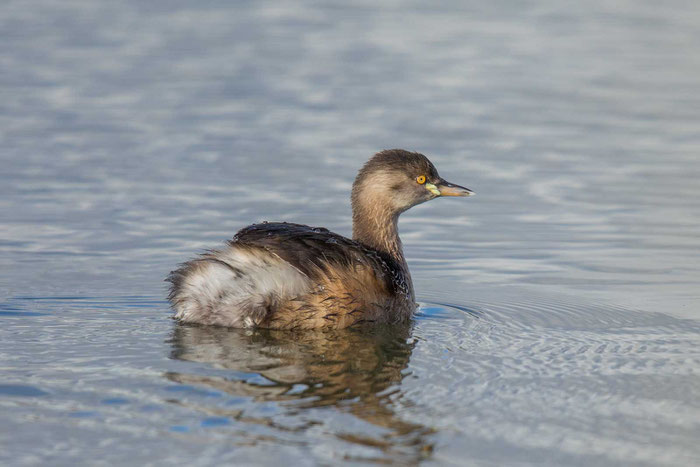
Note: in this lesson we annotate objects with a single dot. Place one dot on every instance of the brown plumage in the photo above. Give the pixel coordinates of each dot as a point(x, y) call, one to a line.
point(292, 276)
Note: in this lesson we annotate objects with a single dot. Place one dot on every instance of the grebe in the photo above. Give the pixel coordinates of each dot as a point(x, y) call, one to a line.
point(291, 276)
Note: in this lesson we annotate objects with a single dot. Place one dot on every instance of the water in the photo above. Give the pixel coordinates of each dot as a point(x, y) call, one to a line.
point(560, 312)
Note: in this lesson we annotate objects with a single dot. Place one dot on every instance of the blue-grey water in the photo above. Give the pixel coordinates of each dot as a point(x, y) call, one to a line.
point(560, 307)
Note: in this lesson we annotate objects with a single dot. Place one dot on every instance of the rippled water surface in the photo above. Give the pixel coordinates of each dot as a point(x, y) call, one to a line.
point(560, 313)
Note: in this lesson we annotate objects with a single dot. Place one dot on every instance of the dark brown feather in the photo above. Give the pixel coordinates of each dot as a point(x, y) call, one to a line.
point(315, 250)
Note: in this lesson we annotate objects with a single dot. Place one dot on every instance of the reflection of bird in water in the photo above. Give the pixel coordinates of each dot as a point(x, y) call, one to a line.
point(291, 276)
point(351, 370)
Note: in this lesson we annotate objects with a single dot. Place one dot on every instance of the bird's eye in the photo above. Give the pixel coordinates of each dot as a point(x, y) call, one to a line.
point(420, 179)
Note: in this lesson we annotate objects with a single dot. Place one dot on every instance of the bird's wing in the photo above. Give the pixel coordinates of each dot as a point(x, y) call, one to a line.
point(315, 251)
point(279, 270)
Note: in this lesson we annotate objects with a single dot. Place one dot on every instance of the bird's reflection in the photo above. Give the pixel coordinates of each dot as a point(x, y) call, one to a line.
point(357, 371)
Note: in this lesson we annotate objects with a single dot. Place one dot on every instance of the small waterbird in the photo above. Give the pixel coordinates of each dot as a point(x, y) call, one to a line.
point(289, 276)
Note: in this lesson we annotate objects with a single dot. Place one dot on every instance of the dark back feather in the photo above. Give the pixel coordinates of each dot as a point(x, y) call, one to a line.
point(314, 250)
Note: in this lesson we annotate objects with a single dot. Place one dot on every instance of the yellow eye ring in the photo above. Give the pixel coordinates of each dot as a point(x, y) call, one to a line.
point(420, 179)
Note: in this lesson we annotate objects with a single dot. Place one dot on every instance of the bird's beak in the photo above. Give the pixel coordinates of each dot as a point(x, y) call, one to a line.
point(445, 188)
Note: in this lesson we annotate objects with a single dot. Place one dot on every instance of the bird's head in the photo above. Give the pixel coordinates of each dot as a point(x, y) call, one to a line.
point(397, 180)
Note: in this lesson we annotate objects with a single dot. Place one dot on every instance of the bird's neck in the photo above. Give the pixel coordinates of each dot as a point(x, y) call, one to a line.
point(375, 224)
point(377, 228)
point(380, 231)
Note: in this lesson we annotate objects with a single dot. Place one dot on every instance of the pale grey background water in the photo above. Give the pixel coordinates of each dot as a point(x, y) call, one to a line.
point(560, 321)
